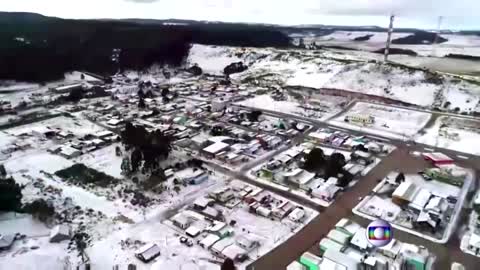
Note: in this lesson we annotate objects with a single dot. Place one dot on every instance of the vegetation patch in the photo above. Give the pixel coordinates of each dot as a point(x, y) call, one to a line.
point(81, 174)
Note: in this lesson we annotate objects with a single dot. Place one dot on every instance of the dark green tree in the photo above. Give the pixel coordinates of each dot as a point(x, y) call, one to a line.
point(10, 195)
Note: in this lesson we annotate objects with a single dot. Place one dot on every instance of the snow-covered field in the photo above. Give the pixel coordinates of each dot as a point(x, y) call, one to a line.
point(327, 69)
point(455, 137)
point(458, 44)
point(389, 121)
point(103, 160)
point(292, 106)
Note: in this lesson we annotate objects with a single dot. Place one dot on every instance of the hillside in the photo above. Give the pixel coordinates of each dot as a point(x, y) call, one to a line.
point(324, 69)
point(38, 48)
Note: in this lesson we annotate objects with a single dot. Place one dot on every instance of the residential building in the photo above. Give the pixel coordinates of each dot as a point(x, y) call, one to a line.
point(209, 241)
point(148, 252)
point(360, 119)
point(311, 261)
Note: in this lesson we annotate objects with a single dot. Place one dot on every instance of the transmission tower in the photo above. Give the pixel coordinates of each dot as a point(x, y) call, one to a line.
point(437, 35)
point(389, 38)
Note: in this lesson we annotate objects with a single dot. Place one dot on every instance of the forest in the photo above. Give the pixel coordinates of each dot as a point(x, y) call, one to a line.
point(39, 49)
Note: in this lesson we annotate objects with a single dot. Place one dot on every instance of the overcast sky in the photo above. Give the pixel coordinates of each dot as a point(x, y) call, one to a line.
point(458, 14)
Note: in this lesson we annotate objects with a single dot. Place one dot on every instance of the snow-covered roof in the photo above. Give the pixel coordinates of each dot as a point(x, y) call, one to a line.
point(60, 230)
point(295, 266)
point(420, 199)
point(348, 226)
point(405, 191)
point(233, 251)
point(148, 251)
point(208, 241)
point(474, 240)
point(360, 239)
point(222, 244)
point(340, 258)
point(338, 236)
point(193, 231)
point(437, 156)
point(69, 151)
point(297, 214)
point(320, 135)
point(216, 147)
point(327, 243)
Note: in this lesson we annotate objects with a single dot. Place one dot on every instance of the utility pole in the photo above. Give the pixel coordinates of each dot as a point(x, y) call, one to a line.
point(389, 38)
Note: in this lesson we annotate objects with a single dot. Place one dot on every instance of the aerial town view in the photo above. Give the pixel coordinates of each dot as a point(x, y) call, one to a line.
point(229, 135)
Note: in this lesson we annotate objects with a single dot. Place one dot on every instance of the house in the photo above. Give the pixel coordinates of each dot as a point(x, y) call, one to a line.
point(193, 231)
point(427, 221)
point(363, 158)
point(202, 203)
point(263, 211)
point(247, 242)
point(115, 122)
point(234, 252)
point(360, 119)
point(218, 104)
point(360, 241)
point(196, 177)
point(69, 152)
point(59, 233)
point(222, 195)
point(473, 243)
point(209, 240)
point(333, 259)
point(404, 193)
point(296, 266)
point(327, 243)
point(148, 252)
point(211, 213)
point(297, 215)
point(43, 132)
point(215, 148)
point(220, 245)
point(422, 196)
point(326, 192)
point(339, 236)
point(438, 158)
point(104, 134)
point(6, 241)
point(320, 136)
point(311, 261)
point(181, 221)
point(282, 210)
point(347, 226)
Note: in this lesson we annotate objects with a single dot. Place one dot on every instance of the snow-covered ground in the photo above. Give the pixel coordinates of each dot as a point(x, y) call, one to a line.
point(103, 160)
point(292, 106)
point(327, 69)
point(457, 43)
point(389, 121)
point(463, 141)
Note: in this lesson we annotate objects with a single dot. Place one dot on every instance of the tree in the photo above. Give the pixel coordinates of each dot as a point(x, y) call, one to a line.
point(149, 94)
point(228, 264)
point(141, 103)
point(400, 178)
point(40, 209)
point(10, 195)
point(165, 100)
point(157, 177)
point(141, 94)
point(82, 76)
point(75, 95)
point(234, 68)
point(315, 160)
point(165, 92)
point(254, 115)
point(3, 172)
point(125, 166)
point(151, 147)
point(345, 179)
point(335, 165)
point(135, 159)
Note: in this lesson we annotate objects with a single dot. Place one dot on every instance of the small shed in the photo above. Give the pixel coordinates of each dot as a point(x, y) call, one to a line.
point(148, 252)
point(208, 241)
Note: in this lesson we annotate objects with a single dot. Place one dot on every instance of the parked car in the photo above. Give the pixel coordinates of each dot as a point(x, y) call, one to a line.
point(184, 240)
